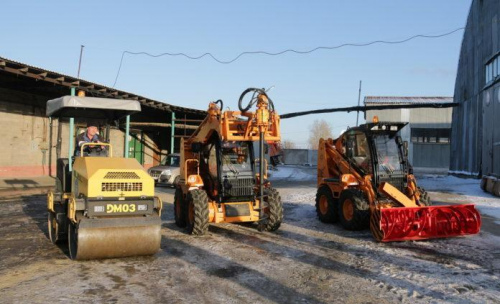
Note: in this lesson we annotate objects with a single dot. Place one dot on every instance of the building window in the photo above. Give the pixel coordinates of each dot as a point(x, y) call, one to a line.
point(492, 69)
point(431, 136)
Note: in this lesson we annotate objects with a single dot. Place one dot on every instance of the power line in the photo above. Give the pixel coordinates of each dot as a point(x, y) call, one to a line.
point(281, 52)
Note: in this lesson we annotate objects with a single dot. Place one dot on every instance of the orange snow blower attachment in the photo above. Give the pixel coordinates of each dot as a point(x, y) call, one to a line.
point(365, 179)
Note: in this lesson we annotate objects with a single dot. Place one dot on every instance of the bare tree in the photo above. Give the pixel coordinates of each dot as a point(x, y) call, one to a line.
point(288, 144)
point(319, 129)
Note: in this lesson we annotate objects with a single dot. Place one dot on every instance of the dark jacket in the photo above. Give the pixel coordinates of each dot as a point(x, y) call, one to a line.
point(83, 138)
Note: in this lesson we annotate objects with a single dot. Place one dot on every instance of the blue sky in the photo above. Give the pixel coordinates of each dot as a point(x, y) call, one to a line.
point(48, 34)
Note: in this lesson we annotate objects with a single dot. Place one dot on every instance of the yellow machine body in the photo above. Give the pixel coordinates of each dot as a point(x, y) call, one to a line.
point(110, 177)
point(111, 210)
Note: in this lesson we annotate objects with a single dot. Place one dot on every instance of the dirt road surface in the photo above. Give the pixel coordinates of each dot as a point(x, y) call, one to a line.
point(305, 261)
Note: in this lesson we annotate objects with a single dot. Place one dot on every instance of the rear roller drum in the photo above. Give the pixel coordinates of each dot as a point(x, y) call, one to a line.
point(274, 210)
point(326, 205)
point(197, 219)
point(354, 210)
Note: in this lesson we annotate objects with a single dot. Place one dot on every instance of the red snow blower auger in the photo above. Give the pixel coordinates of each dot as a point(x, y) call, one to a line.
point(365, 179)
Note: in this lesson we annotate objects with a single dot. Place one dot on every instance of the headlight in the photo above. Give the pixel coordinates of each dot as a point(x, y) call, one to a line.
point(142, 207)
point(166, 172)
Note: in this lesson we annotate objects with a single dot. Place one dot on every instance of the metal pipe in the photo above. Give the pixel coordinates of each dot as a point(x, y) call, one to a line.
point(127, 131)
point(80, 61)
point(59, 141)
point(71, 139)
point(261, 181)
point(172, 136)
point(50, 146)
point(359, 99)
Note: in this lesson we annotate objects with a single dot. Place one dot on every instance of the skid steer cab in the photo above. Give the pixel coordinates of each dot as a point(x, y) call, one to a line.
point(365, 180)
point(103, 206)
point(221, 179)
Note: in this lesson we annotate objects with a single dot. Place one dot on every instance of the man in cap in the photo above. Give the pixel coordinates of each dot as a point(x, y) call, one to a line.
point(91, 135)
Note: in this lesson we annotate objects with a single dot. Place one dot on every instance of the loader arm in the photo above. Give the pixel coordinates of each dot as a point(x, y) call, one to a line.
point(336, 172)
point(234, 126)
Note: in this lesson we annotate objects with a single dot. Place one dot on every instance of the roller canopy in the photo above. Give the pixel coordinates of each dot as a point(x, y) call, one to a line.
point(91, 107)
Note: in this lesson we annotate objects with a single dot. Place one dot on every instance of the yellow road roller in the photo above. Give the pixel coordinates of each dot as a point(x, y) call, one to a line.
point(103, 206)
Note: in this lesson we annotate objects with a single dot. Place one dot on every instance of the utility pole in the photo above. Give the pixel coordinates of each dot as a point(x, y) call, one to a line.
point(80, 61)
point(359, 99)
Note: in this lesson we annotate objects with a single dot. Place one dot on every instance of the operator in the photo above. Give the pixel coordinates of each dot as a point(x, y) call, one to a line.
point(91, 135)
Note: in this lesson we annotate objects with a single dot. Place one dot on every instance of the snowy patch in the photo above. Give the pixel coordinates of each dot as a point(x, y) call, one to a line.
point(450, 270)
point(468, 189)
point(293, 173)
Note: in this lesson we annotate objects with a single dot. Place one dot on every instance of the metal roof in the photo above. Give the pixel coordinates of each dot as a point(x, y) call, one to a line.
point(92, 88)
point(406, 100)
point(90, 107)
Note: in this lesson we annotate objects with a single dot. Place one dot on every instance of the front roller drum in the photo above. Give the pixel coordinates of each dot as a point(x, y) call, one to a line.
point(114, 238)
point(419, 223)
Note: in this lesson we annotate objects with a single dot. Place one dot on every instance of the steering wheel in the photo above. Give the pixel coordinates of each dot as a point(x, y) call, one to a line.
point(253, 100)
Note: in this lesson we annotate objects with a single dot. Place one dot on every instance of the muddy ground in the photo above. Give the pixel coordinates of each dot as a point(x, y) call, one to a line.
point(305, 261)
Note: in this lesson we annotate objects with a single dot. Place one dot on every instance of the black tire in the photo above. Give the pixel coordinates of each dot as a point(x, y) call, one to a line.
point(73, 240)
point(326, 205)
point(484, 180)
point(425, 199)
point(180, 208)
point(197, 212)
point(57, 228)
point(359, 217)
point(274, 210)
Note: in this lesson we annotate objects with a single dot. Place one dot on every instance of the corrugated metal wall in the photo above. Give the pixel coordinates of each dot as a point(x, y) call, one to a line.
point(473, 148)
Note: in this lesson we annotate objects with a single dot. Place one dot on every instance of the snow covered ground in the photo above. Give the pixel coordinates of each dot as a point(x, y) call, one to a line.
point(293, 173)
point(452, 270)
point(305, 261)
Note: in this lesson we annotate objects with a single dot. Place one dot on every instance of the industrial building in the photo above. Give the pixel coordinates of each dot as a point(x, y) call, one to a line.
point(428, 131)
point(477, 89)
point(475, 149)
point(26, 131)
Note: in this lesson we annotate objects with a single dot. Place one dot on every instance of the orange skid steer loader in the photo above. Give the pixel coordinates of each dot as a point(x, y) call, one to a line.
point(365, 179)
point(219, 180)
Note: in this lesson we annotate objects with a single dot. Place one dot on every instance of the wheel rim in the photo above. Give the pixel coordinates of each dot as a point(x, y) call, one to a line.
point(323, 204)
point(348, 209)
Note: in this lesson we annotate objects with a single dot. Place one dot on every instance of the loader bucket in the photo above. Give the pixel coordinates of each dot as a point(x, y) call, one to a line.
point(419, 223)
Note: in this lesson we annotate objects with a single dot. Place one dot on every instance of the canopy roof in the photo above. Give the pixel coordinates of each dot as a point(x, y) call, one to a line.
point(91, 107)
